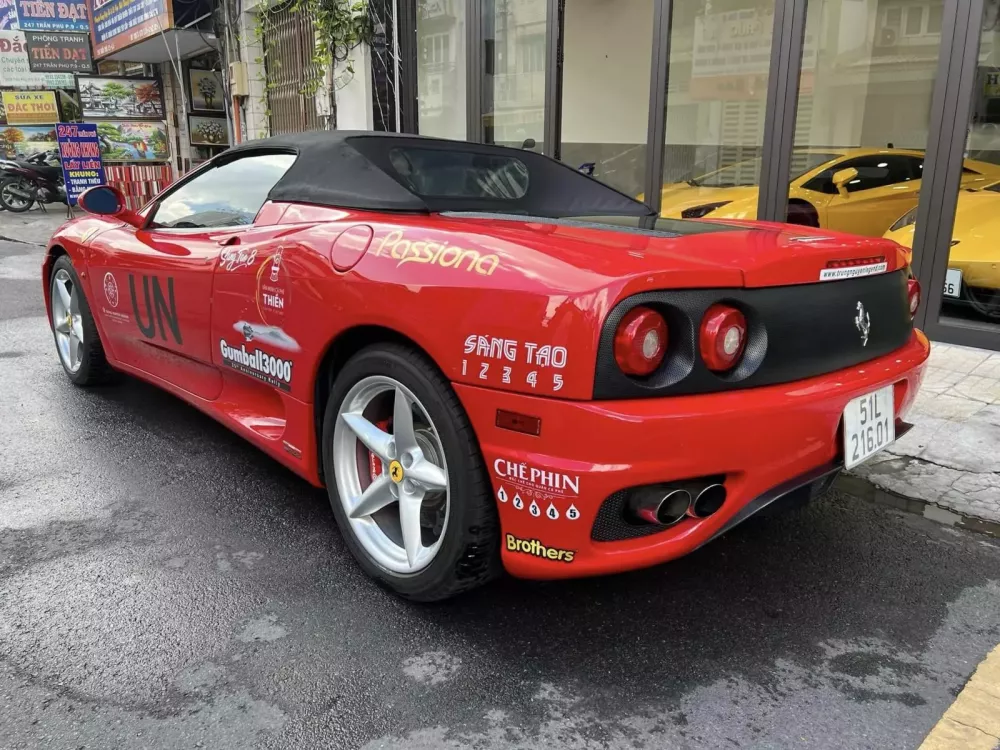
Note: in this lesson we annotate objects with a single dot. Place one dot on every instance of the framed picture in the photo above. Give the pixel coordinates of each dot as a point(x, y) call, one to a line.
point(126, 140)
point(119, 98)
point(206, 90)
point(25, 141)
point(208, 131)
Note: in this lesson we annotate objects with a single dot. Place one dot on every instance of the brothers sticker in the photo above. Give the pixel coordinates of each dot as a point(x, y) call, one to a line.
point(537, 549)
point(258, 364)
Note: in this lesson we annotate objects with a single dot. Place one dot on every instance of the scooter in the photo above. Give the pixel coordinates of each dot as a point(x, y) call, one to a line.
point(38, 179)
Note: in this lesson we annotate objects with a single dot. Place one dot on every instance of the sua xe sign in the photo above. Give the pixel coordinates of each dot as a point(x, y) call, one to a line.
point(30, 107)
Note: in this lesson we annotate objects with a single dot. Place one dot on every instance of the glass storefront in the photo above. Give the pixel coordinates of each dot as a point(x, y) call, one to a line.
point(513, 106)
point(607, 49)
point(863, 113)
point(681, 103)
point(441, 68)
point(719, 65)
point(971, 293)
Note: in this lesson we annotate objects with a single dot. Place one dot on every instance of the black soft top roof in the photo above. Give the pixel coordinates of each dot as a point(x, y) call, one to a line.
point(353, 169)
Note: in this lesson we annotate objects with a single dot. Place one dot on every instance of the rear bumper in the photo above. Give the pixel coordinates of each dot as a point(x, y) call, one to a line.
point(761, 439)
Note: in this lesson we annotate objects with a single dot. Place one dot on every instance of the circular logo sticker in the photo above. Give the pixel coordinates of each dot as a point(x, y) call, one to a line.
point(272, 289)
point(111, 289)
point(396, 472)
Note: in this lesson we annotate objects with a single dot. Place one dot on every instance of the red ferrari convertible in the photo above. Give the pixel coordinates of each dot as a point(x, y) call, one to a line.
point(487, 358)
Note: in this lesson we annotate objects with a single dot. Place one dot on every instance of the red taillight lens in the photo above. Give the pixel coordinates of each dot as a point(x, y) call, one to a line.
point(913, 295)
point(640, 341)
point(723, 337)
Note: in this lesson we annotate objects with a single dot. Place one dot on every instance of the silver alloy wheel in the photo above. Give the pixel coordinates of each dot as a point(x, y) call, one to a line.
point(388, 514)
point(66, 319)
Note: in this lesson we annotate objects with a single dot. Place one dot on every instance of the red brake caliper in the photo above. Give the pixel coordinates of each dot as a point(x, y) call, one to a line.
point(374, 462)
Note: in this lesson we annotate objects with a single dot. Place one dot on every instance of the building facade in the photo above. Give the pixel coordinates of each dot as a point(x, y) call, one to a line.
point(870, 116)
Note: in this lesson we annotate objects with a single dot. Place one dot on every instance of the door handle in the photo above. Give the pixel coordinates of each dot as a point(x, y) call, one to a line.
point(233, 239)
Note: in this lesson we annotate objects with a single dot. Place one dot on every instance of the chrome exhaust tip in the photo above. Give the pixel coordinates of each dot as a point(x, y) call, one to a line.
point(708, 501)
point(664, 508)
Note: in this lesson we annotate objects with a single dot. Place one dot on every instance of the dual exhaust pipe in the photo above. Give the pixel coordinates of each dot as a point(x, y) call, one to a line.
point(665, 506)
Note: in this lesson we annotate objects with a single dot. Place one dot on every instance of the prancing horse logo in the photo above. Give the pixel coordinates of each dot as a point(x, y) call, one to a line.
point(396, 472)
point(863, 324)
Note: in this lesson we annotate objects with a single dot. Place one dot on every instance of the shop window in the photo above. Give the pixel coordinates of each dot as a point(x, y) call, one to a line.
point(607, 49)
point(513, 91)
point(874, 121)
point(971, 293)
point(223, 196)
point(441, 59)
point(720, 59)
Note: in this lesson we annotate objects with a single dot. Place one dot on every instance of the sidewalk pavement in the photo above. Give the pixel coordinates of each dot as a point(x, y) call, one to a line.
point(35, 226)
point(947, 468)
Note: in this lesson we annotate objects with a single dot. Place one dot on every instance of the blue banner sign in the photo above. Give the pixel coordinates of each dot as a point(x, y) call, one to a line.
point(80, 151)
point(52, 15)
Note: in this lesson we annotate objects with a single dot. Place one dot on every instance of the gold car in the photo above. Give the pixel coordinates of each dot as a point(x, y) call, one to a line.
point(858, 190)
point(974, 259)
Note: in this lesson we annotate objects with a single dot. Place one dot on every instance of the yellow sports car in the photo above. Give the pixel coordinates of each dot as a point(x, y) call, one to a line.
point(858, 190)
point(974, 259)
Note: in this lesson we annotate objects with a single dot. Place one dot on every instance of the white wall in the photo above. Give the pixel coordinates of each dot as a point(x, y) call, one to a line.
point(608, 48)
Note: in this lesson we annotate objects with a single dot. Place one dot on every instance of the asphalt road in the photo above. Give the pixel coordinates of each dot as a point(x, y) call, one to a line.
point(165, 585)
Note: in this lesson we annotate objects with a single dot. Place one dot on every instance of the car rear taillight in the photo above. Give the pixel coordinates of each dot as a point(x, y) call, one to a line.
point(640, 341)
point(723, 337)
point(913, 295)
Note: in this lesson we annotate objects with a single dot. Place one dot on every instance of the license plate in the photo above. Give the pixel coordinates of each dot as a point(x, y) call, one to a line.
point(953, 282)
point(869, 425)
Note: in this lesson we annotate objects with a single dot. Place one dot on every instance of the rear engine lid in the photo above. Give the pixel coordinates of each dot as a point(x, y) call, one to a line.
point(673, 252)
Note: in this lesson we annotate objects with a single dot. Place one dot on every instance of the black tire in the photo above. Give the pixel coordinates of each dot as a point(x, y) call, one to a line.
point(12, 207)
point(469, 555)
point(94, 368)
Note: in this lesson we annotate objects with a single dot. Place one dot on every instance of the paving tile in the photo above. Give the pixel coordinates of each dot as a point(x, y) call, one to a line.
point(957, 358)
point(990, 368)
point(946, 406)
point(986, 390)
point(939, 380)
point(967, 446)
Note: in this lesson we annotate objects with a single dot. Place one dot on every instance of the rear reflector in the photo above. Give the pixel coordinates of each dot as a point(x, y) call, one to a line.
point(511, 420)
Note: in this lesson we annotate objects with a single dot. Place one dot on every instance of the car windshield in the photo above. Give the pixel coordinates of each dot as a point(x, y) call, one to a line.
point(748, 172)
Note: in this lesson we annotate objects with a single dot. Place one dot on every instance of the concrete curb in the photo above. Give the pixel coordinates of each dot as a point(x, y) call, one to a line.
point(866, 490)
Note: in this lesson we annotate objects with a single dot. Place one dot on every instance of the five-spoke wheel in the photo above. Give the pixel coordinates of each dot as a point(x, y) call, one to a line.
point(391, 473)
point(66, 320)
point(405, 476)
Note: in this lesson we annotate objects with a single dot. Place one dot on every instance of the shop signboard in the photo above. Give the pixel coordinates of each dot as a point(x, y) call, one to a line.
point(30, 107)
point(80, 152)
point(52, 15)
point(8, 15)
point(732, 55)
point(15, 71)
point(137, 98)
point(117, 24)
point(25, 141)
point(58, 52)
point(127, 140)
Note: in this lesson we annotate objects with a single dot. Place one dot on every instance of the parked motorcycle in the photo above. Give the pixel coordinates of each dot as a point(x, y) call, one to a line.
point(37, 179)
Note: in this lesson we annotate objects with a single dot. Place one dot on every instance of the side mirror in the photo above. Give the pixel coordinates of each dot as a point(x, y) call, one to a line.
point(842, 177)
point(529, 143)
point(105, 200)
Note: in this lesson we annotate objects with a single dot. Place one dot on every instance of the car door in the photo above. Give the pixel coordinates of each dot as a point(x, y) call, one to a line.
point(886, 187)
point(156, 282)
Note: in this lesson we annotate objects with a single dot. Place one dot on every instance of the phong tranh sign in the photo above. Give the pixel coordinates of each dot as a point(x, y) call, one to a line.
point(58, 52)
